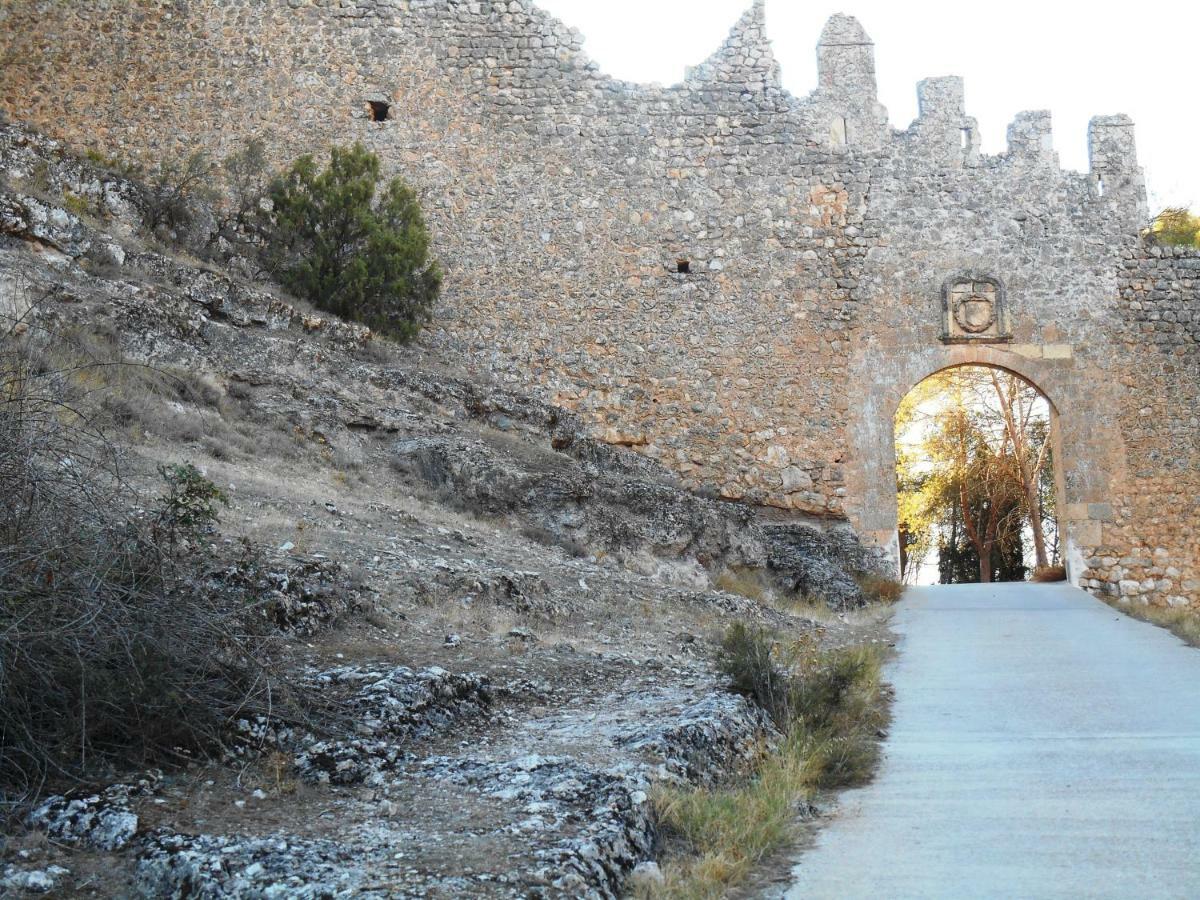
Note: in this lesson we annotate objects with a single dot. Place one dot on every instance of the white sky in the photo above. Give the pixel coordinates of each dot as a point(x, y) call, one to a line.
point(1077, 60)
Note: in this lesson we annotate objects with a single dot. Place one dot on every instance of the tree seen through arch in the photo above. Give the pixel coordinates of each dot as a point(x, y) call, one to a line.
point(975, 484)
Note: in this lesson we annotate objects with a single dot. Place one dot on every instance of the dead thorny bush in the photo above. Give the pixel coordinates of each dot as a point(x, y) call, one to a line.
point(174, 189)
point(114, 646)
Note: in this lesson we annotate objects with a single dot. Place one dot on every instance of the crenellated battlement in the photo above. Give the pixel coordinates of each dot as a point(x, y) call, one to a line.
point(846, 86)
point(942, 122)
point(843, 111)
point(745, 61)
point(1112, 153)
point(846, 81)
point(845, 102)
point(1031, 139)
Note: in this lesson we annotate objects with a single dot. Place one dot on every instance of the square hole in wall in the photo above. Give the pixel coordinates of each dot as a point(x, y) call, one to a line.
point(683, 266)
point(379, 110)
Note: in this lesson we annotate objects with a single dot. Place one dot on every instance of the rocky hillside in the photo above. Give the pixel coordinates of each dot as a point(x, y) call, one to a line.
point(513, 623)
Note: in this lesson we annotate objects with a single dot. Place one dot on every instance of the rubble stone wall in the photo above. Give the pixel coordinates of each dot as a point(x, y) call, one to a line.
point(821, 244)
point(1151, 545)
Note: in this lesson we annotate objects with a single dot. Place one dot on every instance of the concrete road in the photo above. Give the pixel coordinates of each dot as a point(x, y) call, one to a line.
point(1043, 745)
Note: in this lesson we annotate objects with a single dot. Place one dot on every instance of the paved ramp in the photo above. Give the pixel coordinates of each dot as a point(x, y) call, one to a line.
point(1043, 745)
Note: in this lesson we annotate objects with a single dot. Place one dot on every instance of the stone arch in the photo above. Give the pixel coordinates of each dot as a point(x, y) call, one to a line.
point(1007, 366)
point(975, 356)
point(1089, 452)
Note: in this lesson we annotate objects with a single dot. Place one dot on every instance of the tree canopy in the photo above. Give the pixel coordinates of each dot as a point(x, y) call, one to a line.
point(1176, 226)
point(329, 240)
point(974, 475)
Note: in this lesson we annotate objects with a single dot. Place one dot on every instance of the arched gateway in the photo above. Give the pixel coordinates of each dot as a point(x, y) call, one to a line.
point(1083, 454)
point(735, 281)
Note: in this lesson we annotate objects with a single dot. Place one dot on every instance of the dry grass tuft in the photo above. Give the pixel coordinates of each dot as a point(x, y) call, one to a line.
point(830, 708)
point(172, 403)
point(880, 588)
point(1183, 622)
point(1044, 574)
point(726, 831)
point(745, 581)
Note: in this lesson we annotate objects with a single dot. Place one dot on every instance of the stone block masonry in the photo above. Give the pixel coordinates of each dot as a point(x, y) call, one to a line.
point(1155, 525)
point(731, 279)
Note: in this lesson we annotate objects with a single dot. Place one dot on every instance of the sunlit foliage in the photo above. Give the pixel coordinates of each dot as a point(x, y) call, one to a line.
point(974, 475)
point(1177, 227)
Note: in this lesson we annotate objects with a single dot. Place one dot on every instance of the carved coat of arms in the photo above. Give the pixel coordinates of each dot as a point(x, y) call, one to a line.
point(973, 309)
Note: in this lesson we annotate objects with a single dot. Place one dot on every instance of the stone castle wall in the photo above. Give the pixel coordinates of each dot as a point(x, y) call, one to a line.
point(1160, 420)
point(817, 237)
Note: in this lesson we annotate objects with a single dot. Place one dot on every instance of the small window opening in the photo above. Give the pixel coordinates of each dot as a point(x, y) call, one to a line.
point(966, 138)
point(379, 110)
point(683, 266)
point(1099, 185)
point(839, 131)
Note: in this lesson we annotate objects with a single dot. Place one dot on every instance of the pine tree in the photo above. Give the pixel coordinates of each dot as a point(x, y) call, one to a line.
point(330, 242)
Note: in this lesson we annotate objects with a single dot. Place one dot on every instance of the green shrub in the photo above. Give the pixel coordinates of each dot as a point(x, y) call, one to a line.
point(748, 656)
point(1176, 226)
point(189, 507)
point(821, 687)
point(810, 694)
point(836, 715)
point(329, 240)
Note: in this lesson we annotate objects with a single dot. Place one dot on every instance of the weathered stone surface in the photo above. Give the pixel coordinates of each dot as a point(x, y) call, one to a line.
point(697, 742)
point(819, 563)
point(99, 821)
point(817, 237)
point(31, 881)
point(298, 597)
point(31, 219)
point(636, 508)
point(388, 708)
point(214, 867)
point(588, 823)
